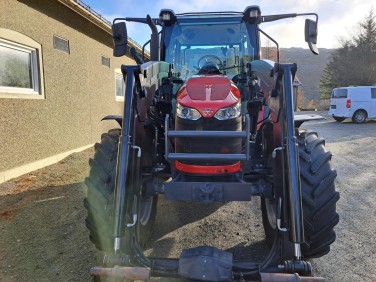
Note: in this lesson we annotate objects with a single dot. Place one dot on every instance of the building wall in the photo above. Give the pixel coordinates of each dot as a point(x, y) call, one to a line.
point(78, 89)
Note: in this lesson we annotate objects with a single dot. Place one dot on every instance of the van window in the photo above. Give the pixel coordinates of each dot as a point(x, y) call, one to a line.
point(339, 93)
point(373, 93)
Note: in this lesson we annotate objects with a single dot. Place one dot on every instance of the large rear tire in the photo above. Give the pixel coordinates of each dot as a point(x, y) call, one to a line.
point(319, 198)
point(100, 195)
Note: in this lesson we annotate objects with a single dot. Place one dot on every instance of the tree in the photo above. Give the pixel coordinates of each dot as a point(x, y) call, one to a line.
point(300, 99)
point(354, 63)
point(326, 83)
point(268, 51)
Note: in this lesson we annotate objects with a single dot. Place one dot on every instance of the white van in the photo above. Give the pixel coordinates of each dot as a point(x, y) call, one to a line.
point(357, 103)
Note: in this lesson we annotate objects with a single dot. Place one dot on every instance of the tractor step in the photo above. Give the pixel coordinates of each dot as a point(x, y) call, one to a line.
point(206, 264)
point(284, 277)
point(132, 273)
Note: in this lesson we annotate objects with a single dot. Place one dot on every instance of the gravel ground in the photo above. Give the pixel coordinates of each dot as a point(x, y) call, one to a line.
point(43, 236)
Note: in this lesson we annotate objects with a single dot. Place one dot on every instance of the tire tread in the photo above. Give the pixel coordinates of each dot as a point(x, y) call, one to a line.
point(318, 196)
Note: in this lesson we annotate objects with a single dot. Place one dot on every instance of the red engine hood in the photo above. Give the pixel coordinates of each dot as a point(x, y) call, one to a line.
point(208, 94)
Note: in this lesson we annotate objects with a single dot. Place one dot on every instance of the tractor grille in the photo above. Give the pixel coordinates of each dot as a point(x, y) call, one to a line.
point(208, 145)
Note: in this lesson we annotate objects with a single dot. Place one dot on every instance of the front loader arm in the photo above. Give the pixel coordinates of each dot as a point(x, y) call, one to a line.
point(284, 74)
point(123, 160)
point(142, 81)
point(276, 82)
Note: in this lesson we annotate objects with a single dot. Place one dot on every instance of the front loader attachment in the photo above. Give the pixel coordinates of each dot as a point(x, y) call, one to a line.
point(201, 263)
point(143, 273)
point(223, 130)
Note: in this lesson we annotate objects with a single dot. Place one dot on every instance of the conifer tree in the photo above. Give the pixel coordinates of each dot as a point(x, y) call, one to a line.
point(354, 63)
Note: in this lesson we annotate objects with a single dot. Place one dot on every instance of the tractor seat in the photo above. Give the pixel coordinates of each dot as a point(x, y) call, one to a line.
point(209, 68)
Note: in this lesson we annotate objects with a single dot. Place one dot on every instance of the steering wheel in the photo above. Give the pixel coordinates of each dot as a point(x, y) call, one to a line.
point(208, 58)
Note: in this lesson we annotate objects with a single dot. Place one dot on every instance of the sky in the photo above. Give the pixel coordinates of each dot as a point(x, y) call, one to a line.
point(338, 19)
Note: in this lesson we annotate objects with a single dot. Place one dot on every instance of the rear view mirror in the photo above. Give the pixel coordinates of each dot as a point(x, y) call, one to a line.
point(310, 33)
point(120, 37)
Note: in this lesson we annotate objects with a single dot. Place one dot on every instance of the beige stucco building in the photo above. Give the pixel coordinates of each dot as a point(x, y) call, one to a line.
point(57, 80)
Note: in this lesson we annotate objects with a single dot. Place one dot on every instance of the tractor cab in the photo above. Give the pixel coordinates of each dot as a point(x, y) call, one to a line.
point(220, 43)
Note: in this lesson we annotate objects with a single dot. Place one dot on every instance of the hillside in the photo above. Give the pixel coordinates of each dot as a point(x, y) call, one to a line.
point(310, 68)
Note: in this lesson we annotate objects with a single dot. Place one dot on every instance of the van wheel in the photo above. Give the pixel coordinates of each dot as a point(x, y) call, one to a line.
point(359, 116)
point(339, 119)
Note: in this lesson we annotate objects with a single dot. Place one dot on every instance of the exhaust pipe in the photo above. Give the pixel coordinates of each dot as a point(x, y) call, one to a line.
point(154, 40)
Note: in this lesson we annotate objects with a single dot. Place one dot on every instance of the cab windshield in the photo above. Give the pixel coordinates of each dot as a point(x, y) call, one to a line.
point(191, 45)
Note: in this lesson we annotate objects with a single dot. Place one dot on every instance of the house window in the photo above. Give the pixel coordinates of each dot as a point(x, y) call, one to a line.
point(119, 86)
point(20, 66)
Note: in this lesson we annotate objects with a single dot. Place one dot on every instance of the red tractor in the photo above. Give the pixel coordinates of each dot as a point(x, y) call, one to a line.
point(206, 119)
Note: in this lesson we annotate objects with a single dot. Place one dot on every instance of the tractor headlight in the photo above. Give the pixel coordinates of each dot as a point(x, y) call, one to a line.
point(229, 112)
point(187, 113)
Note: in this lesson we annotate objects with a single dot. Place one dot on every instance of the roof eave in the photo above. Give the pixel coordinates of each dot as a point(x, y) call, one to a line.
point(102, 24)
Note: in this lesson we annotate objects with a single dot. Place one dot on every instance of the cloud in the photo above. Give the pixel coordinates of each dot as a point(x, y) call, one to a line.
point(337, 18)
